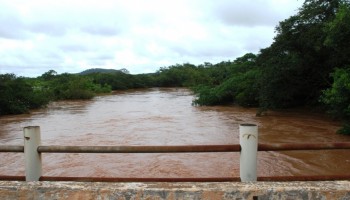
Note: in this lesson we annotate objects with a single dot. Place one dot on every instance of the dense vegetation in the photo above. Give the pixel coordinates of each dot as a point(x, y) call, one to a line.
point(19, 94)
point(308, 64)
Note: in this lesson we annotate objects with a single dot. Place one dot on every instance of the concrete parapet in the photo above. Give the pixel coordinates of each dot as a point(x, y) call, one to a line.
point(169, 191)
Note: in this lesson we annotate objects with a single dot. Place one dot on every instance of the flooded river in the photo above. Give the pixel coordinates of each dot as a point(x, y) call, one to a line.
point(166, 117)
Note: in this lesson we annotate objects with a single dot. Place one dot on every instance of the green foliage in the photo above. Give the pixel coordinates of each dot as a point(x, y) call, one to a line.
point(235, 82)
point(206, 96)
point(337, 98)
point(73, 88)
point(338, 36)
point(293, 71)
point(185, 75)
point(345, 130)
point(49, 75)
point(120, 80)
point(297, 65)
point(70, 86)
point(284, 83)
point(18, 96)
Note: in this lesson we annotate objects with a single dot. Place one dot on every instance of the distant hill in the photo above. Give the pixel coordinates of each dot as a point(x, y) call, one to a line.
point(101, 70)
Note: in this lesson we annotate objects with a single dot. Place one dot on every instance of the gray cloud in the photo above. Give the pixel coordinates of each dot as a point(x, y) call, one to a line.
point(104, 56)
point(11, 26)
point(74, 48)
point(48, 28)
point(70, 36)
point(246, 13)
point(207, 50)
point(101, 30)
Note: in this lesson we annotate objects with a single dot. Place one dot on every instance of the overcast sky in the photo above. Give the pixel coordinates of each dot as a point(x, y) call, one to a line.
point(139, 35)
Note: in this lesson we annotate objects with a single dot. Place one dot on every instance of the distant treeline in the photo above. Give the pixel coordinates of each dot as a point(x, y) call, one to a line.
point(308, 64)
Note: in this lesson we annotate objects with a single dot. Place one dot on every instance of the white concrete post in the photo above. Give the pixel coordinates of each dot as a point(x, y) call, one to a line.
point(32, 157)
point(248, 139)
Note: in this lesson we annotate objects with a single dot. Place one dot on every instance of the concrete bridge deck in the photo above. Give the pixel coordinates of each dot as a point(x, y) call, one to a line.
point(164, 190)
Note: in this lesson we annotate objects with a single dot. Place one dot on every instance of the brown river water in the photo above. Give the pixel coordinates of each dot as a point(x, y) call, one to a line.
point(166, 117)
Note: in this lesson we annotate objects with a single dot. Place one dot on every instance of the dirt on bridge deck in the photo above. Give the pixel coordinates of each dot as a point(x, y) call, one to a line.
point(186, 190)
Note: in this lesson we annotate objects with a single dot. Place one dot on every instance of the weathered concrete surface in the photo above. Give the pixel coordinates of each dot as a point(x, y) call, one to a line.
point(135, 191)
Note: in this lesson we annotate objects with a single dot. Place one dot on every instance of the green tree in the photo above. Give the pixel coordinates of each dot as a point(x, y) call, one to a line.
point(338, 36)
point(69, 86)
point(185, 75)
point(296, 66)
point(234, 82)
point(18, 96)
point(49, 75)
point(337, 98)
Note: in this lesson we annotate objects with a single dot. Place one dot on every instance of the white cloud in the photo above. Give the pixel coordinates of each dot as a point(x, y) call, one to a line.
point(70, 36)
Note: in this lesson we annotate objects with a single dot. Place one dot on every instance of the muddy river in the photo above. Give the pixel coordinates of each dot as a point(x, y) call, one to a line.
point(166, 117)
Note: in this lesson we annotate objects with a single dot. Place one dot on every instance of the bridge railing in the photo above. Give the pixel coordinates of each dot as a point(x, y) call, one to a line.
point(248, 149)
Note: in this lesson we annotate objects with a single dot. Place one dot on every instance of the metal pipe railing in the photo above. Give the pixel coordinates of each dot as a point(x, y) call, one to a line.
point(303, 146)
point(12, 148)
point(139, 149)
point(248, 149)
point(201, 179)
point(193, 179)
point(136, 179)
point(178, 149)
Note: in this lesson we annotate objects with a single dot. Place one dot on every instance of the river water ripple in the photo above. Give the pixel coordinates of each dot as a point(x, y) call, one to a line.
point(166, 117)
